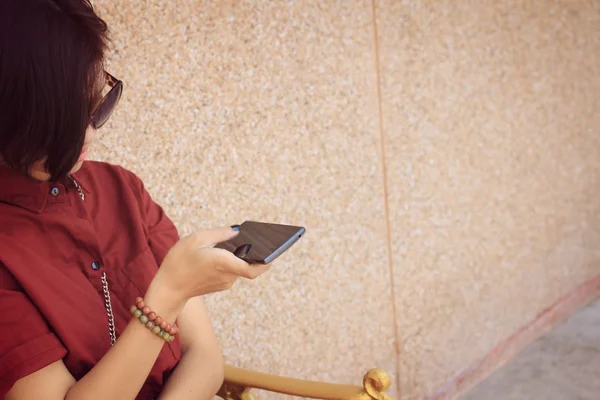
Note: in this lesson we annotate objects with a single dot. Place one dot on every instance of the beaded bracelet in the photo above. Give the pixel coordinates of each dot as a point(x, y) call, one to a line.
point(153, 322)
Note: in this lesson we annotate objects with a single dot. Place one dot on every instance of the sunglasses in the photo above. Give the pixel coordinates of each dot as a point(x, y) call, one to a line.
point(108, 103)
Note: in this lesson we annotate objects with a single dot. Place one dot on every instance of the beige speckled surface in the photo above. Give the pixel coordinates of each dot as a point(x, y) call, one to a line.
point(267, 111)
point(493, 156)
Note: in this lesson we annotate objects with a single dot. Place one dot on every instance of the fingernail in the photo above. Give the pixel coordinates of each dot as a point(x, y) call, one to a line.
point(243, 250)
point(236, 228)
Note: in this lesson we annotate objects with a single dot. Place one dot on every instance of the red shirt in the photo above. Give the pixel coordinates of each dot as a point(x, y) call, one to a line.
point(54, 247)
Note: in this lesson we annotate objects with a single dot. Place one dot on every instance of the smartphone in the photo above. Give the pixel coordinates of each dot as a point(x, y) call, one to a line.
point(261, 243)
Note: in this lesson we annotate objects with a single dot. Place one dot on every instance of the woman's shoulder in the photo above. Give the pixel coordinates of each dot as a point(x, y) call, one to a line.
point(99, 174)
point(102, 169)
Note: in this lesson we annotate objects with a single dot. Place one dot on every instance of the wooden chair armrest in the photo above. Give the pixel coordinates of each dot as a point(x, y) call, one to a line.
point(238, 383)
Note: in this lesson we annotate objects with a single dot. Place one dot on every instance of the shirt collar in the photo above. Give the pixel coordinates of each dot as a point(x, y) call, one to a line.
point(26, 192)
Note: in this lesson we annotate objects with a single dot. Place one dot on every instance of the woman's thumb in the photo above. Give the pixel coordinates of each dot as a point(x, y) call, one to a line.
point(210, 237)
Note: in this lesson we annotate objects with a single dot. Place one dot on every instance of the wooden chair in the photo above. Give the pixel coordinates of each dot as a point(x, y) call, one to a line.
point(239, 382)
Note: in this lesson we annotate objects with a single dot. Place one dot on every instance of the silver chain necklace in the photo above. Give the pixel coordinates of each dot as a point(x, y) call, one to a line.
point(106, 291)
point(79, 190)
point(109, 311)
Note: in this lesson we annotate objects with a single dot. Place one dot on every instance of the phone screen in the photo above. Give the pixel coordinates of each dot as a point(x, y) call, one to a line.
point(262, 242)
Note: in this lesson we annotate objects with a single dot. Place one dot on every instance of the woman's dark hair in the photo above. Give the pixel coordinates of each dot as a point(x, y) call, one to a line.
point(51, 61)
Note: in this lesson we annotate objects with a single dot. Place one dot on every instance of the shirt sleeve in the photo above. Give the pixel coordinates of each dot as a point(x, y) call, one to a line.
point(162, 233)
point(27, 344)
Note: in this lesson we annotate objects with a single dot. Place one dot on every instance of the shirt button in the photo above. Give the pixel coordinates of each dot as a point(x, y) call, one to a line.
point(55, 191)
point(95, 265)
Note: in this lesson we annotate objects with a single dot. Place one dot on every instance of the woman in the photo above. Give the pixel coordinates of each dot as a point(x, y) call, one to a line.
point(86, 311)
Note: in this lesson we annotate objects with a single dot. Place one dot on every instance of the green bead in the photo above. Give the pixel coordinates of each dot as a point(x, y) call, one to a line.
point(167, 337)
point(137, 313)
point(156, 330)
point(143, 319)
point(171, 338)
point(162, 333)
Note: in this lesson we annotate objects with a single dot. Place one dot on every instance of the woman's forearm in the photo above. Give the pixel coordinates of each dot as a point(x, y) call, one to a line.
point(198, 376)
point(122, 371)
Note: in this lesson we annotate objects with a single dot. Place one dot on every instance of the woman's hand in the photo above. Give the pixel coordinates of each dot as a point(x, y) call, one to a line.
point(193, 267)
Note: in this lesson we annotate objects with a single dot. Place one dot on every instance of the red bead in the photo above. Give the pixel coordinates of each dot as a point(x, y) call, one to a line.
point(164, 325)
point(173, 331)
point(158, 320)
point(140, 304)
point(133, 308)
point(150, 324)
point(151, 315)
point(138, 299)
point(146, 310)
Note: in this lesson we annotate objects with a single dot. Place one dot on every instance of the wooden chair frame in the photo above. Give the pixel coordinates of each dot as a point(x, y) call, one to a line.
point(239, 382)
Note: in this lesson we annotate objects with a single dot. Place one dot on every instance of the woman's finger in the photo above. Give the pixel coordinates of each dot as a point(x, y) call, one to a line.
point(234, 265)
point(253, 271)
point(228, 261)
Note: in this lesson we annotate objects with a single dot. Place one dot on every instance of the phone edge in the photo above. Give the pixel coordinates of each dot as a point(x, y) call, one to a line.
point(284, 247)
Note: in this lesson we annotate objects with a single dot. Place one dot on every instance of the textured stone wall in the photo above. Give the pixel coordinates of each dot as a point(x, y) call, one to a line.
point(443, 157)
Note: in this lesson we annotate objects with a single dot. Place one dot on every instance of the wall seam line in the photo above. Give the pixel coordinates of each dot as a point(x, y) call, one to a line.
point(385, 195)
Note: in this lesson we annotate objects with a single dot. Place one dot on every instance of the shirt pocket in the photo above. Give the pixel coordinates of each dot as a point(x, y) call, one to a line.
point(140, 271)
